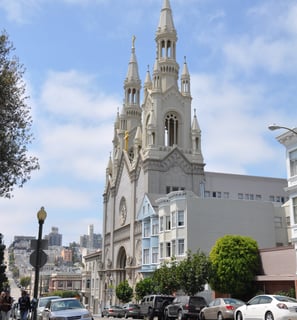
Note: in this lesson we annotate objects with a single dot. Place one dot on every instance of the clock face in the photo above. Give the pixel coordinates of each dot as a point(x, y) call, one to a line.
point(123, 212)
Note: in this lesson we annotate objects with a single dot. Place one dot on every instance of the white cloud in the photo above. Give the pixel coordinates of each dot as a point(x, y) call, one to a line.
point(20, 11)
point(235, 121)
point(274, 56)
point(74, 95)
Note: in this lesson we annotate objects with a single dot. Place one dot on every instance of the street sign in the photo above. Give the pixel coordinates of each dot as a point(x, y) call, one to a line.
point(42, 258)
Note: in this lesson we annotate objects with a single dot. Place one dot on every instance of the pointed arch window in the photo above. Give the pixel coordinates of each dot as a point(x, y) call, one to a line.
point(171, 129)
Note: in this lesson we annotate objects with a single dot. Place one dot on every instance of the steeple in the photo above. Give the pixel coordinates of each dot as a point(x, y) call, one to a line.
point(185, 80)
point(166, 39)
point(132, 87)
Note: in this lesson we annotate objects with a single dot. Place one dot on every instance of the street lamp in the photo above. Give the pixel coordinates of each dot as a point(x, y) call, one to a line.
point(41, 216)
point(273, 127)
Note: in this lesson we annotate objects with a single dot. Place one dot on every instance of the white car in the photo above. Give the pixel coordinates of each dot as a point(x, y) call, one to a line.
point(64, 309)
point(268, 307)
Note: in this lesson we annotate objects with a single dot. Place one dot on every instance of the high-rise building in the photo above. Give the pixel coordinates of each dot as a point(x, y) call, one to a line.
point(91, 240)
point(54, 237)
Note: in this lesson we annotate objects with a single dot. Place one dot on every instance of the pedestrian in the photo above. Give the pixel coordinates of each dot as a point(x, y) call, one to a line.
point(6, 304)
point(24, 305)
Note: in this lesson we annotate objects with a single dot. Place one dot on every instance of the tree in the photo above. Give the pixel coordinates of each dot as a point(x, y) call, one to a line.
point(25, 281)
point(3, 278)
point(15, 122)
point(144, 287)
point(193, 272)
point(124, 292)
point(235, 262)
point(166, 277)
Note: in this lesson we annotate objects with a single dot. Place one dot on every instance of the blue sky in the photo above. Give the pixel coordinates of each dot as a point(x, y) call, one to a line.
point(243, 64)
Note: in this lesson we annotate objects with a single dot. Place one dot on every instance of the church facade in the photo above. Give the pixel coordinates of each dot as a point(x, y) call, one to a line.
point(157, 152)
point(156, 149)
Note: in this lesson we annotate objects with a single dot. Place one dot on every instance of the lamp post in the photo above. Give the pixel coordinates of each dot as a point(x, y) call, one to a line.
point(273, 127)
point(41, 216)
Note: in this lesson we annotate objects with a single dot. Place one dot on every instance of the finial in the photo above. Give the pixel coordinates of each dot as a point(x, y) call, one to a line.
point(194, 112)
point(148, 68)
point(185, 59)
point(133, 41)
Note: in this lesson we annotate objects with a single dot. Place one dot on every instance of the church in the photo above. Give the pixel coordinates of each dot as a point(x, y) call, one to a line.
point(158, 200)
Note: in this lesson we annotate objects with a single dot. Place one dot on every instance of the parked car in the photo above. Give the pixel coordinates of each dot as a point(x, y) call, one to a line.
point(153, 306)
point(220, 308)
point(41, 303)
point(131, 310)
point(65, 308)
point(268, 307)
point(113, 311)
point(185, 307)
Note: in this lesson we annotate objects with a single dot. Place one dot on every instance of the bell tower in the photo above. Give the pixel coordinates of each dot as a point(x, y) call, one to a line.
point(167, 127)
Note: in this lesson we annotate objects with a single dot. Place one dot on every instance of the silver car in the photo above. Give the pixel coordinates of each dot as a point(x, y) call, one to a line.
point(42, 302)
point(220, 308)
point(65, 308)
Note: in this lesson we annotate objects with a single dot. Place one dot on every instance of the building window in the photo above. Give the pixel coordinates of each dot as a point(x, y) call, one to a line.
point(146, 256)
point(180, 218)
point(181, 247)
point(293, 162)
point(226, 195)
point(258, 197)
point(294, 201)
point(173, 219)
point(155, 255)
point(278, 222)
point(206, 194)
point(240, 196)
point(173, 246)
point(171, 130)
point(146, 229)
point(288, 220)
point(161, 250)
point(167, 218)
point(155, 227)
point(161, 223)
point(168, 249)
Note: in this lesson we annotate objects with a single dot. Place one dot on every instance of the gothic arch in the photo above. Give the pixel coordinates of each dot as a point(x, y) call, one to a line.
point(171, 126)
point(121, 264)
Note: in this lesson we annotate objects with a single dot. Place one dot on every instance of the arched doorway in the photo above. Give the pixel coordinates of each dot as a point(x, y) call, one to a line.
point(121, 265)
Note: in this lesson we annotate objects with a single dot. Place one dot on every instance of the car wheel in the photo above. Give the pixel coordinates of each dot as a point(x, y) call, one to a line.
point(202, 316)
point(180, 315)
point(239, 316)
point(269, 316)
point(220, 316)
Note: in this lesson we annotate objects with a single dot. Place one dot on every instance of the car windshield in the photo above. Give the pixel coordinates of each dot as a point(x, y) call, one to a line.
point(233, 301)
point(197, 301)
point(65, 304)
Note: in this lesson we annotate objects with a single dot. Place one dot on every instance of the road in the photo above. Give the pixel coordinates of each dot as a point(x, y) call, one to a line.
point(15, 291)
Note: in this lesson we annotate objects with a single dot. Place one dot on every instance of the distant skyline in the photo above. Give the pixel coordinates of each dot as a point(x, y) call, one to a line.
point(242, 60)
